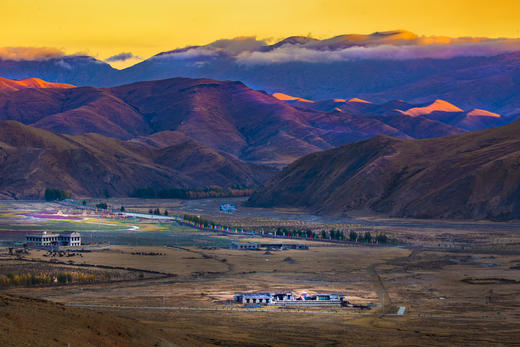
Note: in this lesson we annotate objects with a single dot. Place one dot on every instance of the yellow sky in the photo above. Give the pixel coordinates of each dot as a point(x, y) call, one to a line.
point(102, 28)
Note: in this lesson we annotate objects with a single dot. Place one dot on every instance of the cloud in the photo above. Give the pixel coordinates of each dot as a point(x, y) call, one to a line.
point(30, 53)
point(63, 64)
point(392, 45)
point(229, 47)
point(123, 56)
point(237, 45)
point(298, 53)
point(188, 53)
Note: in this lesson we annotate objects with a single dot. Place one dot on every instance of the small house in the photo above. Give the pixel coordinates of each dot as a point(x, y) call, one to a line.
point(254, 298)
point(228, 208)
point(245, 245)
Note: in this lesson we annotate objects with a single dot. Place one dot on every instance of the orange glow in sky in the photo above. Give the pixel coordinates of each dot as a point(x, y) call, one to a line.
point(103, 28)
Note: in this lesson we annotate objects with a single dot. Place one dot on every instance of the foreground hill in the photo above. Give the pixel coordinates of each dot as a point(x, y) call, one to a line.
point(33, 159)
point(34, 322)
point(472, 175)
point(223, 115)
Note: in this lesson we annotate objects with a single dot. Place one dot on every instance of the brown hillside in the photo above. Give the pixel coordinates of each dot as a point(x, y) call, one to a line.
point(33, 159)
point(34, 322)
point(472, 175)
point(73, 111)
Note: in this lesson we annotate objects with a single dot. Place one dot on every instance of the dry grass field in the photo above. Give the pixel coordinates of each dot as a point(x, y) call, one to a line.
point(450, 298)
point(466, 292)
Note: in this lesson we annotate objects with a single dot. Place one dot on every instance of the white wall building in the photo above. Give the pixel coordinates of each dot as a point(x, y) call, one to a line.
point(70, 238)
point(67, 238)
point(43, 239)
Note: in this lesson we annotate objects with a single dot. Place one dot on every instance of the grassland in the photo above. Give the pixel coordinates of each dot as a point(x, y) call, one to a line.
point(442, 293)
point(452, 296)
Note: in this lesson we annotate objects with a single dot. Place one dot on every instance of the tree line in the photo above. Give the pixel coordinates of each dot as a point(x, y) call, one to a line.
point(31, 279)
point(331, 234)
point(52, 194)
point(156, 212)
point(334, 234)
point(180, 193)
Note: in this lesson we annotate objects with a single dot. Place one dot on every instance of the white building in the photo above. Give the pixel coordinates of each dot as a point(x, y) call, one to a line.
point(67, 238)
point(254, 298)
point(228, 208)
point(288, 298)
point(244, 245)
point(70, 238)
point(43, 239)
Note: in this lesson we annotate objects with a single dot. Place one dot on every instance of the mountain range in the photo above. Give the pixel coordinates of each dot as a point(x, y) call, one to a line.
point(396, 65)
point(194, 133)
point(472, 175)
point(438, 110)
point(426, 126)
point(226, 116)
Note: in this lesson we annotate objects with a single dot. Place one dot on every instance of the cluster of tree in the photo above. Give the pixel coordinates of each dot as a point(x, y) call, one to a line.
point(144, 193)
point(102, 205)
point(52, 194)
point(331, 234)
point(300, 233)
point(309, 234)
point(179, 193)
point(31, 279)
point(368, 237)
point(157, 212)
point(196, 219)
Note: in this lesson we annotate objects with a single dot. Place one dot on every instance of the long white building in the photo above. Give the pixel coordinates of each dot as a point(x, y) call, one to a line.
point(66, 238)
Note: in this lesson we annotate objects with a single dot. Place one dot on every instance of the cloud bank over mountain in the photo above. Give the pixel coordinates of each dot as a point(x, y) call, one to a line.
point(392, 45)
point(470, 72)
point(389, 45)
point(291, 53)
point(123, 56)
point(30, 53)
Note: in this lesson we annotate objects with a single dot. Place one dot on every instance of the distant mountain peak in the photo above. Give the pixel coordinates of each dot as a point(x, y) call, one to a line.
point(477, 112)
point(437, 106)
point(13, 85)
point(359, 100)
point(285, 97)
point(295, 40)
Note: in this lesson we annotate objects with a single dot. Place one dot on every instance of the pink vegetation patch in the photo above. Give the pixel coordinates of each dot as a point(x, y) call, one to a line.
point(52, 216)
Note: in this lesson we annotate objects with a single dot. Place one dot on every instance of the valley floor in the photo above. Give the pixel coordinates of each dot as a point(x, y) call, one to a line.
point(449, 298)
point(180, 294)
